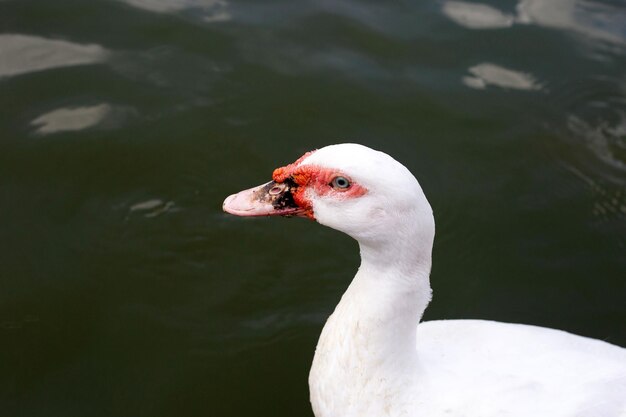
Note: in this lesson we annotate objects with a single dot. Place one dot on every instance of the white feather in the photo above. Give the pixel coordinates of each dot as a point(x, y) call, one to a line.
point(374, 360)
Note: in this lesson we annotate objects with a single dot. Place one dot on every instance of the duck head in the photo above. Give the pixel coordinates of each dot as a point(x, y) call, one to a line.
point(348, 187)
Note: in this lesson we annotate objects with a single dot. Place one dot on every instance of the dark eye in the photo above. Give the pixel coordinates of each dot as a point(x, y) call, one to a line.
point(340, 182)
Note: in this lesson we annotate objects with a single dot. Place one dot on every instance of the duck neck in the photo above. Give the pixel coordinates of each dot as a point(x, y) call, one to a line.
point(390, 293)
point(371, 335)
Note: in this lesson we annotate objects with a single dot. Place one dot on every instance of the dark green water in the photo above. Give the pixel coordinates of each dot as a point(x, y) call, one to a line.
point(125, 291)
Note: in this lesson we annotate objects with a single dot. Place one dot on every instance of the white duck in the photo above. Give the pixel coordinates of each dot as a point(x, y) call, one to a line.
point(373, 359)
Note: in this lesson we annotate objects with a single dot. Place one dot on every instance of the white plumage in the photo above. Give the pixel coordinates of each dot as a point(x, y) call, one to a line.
point(374, 360)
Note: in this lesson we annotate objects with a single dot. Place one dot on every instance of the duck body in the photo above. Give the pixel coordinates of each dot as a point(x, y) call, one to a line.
point(473, 368)
point(487, 368)
point(373, 359)
point(370, 362)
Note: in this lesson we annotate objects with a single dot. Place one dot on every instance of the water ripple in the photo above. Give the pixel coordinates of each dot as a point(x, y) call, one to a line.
point(153, 207)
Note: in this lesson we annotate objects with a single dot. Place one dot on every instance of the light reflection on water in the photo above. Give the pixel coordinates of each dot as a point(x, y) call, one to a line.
point(592, 19)
point(593, 117)
point(208, 10)
point(597, 20)
point(21, 54)
point(69, 119)
point(477, 15)
point(486, 73)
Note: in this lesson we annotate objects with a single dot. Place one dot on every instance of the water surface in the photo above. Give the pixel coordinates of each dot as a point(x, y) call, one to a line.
point(126, 291)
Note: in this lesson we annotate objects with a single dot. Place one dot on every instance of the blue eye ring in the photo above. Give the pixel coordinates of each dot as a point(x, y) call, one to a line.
point(340, 183)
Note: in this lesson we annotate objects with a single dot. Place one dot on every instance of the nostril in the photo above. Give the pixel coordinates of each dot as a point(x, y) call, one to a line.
point(277, 189)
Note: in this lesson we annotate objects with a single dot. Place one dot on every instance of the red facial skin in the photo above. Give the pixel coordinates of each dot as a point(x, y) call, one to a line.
point(317, 178)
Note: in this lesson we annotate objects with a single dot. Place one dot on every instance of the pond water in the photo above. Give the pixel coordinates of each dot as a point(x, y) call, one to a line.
point(124, 289)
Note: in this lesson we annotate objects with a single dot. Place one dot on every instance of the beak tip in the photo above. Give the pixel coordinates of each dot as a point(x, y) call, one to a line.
point(246, 204)
point(231, 205)
point(226, 203)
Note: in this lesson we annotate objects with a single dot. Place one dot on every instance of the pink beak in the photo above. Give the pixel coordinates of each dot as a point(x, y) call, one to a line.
point(271, 199)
